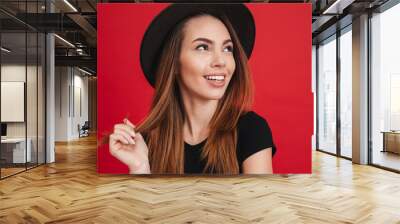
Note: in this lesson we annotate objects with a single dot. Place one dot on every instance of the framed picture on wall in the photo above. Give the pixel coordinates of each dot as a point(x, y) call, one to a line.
point(204, 88)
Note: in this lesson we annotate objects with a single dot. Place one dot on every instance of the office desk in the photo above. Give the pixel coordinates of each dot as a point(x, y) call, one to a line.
point(13, 150)
point(391, 141)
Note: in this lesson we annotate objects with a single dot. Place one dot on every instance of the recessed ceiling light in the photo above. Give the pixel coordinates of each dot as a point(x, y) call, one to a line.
point(64, 40)
point(337, 7)
point(84, 71)
point(5, 50)
point(71, 6)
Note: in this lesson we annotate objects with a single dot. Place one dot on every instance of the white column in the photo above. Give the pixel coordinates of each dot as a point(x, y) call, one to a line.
point(50, 93)
point(360, 90)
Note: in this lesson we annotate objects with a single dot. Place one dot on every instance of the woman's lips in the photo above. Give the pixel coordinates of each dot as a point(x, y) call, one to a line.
point(215, 80)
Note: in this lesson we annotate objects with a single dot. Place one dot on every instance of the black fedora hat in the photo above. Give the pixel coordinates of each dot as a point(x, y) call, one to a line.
point(162, 25)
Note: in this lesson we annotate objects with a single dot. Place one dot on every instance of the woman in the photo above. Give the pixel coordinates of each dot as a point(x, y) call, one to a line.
point(200, 120)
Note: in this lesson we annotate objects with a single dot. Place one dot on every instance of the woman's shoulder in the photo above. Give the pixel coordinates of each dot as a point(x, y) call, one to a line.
point(254, 134)
point(251, 119)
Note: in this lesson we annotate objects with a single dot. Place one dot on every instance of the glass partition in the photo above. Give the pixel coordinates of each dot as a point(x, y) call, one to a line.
point(22, 63)
point(327, 95)
point(14, 153)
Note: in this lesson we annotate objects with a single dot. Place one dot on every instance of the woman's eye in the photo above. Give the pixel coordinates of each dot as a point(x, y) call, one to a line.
point(202, 47)
point(228, 49)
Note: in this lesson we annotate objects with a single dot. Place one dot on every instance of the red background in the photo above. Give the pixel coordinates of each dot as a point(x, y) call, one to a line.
point(280, 64)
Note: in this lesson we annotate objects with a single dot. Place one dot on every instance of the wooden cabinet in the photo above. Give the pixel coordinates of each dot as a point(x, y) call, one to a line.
point(391, 142)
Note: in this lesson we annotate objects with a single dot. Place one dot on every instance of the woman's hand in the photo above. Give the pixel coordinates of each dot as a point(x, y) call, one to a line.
point(130, 148)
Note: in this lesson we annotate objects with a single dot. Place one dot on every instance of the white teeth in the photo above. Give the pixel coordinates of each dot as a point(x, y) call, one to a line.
point(215, 77)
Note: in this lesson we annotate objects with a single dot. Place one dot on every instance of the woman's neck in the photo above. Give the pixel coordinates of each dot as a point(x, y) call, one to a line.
point(198, 116)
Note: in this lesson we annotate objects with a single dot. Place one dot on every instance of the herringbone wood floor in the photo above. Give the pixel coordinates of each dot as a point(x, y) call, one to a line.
point(70, 191)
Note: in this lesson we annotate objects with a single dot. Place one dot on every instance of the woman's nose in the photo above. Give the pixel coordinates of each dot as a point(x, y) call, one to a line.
point(218, 60)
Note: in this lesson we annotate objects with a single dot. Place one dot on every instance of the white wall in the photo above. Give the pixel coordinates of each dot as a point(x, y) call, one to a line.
point(61, 103)
point(80, 102)
point(33, 127)
point(16, 73)
point(71, 93)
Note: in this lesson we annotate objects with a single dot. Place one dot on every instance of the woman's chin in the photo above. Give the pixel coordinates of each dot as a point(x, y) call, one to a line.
point(213, 96)
point(206, 93)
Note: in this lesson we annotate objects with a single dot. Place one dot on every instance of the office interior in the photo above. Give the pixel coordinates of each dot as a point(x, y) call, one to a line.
point(48, 84)
point(49, 95)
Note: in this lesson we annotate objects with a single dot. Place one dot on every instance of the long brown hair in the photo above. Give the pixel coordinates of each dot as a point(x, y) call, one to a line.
point(163, 127)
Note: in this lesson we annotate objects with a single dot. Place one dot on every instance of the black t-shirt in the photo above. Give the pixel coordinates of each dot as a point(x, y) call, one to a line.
point(254, 135)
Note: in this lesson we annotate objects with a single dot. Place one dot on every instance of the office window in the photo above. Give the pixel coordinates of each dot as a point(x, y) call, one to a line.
point(346, 93)
point(385, 88)
point(314, 85)
point(327, 95)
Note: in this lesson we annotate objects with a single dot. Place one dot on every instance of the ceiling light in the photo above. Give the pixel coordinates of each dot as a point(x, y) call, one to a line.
point(5, 50)
point(338, 6)
point(84, 71)
point(65, 41)
point(70, 5)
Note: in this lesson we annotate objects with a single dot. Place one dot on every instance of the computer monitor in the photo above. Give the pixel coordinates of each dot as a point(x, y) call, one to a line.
point(3, 129)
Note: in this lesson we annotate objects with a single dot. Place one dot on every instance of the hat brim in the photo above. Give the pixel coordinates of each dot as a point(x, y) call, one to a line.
point(156, 34)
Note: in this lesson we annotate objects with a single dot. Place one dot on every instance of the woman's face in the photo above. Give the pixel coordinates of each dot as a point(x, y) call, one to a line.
point(206, 58)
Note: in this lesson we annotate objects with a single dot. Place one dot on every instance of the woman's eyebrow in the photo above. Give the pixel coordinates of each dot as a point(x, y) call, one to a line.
point(210, 41)
point(228, 41)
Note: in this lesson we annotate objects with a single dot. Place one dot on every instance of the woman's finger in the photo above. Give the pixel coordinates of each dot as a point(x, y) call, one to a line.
point(125, 134)
point(126, 127)
point(117, 137)
point(128, 122)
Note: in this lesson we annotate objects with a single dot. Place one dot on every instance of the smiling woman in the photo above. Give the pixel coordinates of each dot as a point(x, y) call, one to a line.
point(195, 57)
point(206, 54)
